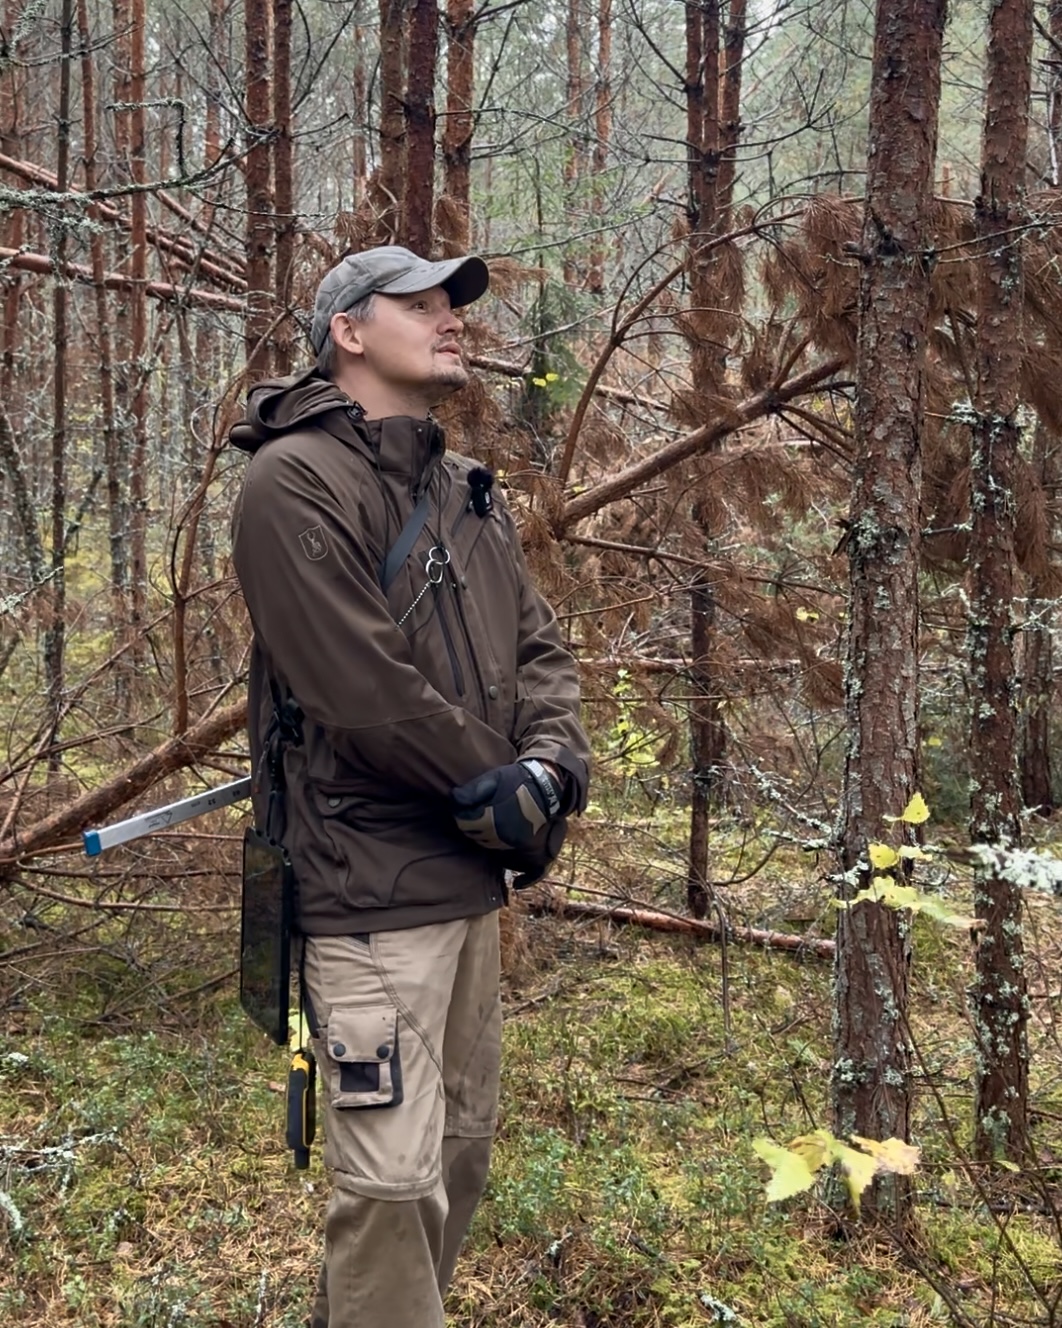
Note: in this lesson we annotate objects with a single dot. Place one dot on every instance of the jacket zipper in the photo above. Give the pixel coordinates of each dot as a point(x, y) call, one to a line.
point(460, 608)
point(455, 663)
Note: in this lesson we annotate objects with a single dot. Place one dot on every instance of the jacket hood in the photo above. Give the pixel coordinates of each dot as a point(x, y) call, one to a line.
point(278, 405)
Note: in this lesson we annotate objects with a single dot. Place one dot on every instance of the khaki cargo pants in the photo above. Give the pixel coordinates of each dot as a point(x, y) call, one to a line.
point(408, 1043)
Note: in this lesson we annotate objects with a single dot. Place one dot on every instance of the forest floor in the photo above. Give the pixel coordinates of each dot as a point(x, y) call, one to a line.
point(144, 1180)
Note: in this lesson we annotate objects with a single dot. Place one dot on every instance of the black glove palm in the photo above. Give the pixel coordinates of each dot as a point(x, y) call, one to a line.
point(509, 807)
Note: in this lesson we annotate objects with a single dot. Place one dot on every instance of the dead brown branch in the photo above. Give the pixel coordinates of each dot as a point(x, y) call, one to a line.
point(550, 900)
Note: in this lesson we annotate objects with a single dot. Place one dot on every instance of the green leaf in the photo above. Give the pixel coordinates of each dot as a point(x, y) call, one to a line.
point(789, 1172)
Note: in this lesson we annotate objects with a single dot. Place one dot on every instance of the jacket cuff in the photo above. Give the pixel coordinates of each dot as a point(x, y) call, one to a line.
point(576, 783)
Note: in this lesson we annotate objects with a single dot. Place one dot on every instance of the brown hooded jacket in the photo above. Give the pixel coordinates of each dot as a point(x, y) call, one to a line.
point(404, 695)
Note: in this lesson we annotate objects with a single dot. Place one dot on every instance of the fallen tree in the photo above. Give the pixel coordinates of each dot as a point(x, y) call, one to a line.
point(177, 753)
point(547, 898)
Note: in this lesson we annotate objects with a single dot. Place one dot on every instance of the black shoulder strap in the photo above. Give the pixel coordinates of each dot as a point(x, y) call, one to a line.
point(403, 546)
point(285, 730)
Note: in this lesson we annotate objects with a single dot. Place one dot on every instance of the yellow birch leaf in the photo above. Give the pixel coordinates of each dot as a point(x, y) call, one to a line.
point(807, 615)
point(912, 851)
point(814, 1148)
point(789, 1173)
point(882, 856)
point(891, 1155)
point(916, 812)
point(900, 896)
point(938, 910)
point(858, 1169)
point(934, 742)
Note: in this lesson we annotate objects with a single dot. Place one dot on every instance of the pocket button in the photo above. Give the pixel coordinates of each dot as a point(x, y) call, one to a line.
point(492, 692)
point(334, 802)
point(339, 1050)
point(383, 1052)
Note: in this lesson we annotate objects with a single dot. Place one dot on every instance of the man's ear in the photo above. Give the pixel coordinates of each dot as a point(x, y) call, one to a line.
point(346, 334)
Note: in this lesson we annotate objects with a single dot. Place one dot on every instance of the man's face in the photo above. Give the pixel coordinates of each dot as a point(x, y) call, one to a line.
point(410, 345)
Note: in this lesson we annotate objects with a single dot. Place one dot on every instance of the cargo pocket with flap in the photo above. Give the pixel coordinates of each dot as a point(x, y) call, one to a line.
point(363, 1060)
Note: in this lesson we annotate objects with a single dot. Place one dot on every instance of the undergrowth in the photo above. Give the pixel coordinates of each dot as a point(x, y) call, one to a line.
point(145, 1184)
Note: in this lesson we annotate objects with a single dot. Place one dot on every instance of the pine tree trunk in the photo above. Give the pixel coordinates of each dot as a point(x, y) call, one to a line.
point(602, 139)
point(115, 497)
point(457, 134)
point(730, 108)
point(707, 744)
point(418, 196)
point(707, 365)
point(284, 185)
point(14, 220)
point(1037, 666)
point(999, 1001)
point(361, 120)
point(55, 636)
point(575, 161)
point(871, 1082)
point(138, 499)
point(392, 172)
point(119, 313)
point(260, 211)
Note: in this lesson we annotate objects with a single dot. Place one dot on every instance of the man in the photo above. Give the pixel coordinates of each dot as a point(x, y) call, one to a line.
point(435, 743)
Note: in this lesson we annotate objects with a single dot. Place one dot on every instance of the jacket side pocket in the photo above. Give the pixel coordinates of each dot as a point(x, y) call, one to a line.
point(364, 1066)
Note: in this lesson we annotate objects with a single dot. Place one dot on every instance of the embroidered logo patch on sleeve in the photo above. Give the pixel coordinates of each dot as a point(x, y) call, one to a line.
point(313, 543)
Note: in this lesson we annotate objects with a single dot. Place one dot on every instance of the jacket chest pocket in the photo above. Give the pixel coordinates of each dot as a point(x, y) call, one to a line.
point(363, 1061)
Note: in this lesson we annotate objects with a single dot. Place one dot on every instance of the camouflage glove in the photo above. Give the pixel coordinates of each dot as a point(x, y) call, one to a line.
point(509, 809)
point(531, 867)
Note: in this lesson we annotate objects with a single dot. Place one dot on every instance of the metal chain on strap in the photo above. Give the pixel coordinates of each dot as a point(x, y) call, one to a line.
point(434, 568)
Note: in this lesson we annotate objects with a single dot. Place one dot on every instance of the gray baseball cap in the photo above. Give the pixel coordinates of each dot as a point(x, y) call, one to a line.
point(392, 270)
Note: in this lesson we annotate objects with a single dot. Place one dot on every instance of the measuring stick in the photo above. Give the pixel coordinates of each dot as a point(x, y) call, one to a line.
point(162, 818)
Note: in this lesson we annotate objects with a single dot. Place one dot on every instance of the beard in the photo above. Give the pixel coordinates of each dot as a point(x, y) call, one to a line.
point(449, 378)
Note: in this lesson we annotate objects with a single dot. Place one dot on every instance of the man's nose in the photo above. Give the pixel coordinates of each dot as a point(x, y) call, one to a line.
point(449, 322)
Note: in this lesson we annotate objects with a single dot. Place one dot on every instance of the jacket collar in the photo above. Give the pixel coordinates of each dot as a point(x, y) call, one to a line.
point(405, 447)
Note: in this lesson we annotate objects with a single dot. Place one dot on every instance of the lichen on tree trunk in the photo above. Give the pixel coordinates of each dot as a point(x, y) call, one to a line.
point(999, 1000)
point(871, 1083)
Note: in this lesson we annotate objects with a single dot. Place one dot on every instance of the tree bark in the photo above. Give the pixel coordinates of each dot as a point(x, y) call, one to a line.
point(14, 220)
point(361, 120)
point(116, 511)
point(392, 172)
point(602, 139)
point(1037, 665)
point(418, 195)
point(284, 184)
point(707, 743)
point(138, 369)
point(1000, 1005)
point(55, 636)
point(871, 1080)
point(260, 210)
point(457, 134)
point(575, 161)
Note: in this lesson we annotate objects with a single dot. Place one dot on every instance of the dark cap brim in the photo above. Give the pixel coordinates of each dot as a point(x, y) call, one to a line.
point(463, 279)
